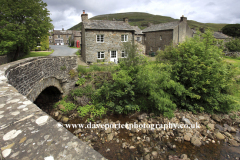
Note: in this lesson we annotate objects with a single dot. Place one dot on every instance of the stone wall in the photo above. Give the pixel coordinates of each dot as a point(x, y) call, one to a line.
point(232, 54)
point(25, 75)
point(112, 42)
point(153, 40)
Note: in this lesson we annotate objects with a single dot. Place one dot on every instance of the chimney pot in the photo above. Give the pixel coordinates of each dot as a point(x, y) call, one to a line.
point(83, 11)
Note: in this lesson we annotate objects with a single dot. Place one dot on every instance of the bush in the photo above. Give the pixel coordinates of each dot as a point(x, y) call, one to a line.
point(233, 45)
point(198, 65)
point(79, 92)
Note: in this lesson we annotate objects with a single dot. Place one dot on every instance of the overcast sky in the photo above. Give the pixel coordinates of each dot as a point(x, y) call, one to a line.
point(67, 13)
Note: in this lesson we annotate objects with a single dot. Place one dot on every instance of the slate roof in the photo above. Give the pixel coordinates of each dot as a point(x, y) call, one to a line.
point(107, 25)
point(161, 26)
point(219, 35)
point(137, 30)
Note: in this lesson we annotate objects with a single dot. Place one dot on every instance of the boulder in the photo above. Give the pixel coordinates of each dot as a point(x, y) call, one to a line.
point(219, 136)
point(142, 116)
point(110, 137)
point(211, 126)
point(219, 127)
point(196, 141)
point(154, 154)
point(65, 119)
point(82, 101)
point(186, 121)
point(233, 143)
point(216, 118)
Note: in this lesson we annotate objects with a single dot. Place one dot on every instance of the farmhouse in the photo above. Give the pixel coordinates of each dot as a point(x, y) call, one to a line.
point(159, 35)
point(103, 39)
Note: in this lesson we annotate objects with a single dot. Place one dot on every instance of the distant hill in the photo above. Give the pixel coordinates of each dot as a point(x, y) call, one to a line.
point(142, 19)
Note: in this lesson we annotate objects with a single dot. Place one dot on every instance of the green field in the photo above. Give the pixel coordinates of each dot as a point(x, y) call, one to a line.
point(142, 19)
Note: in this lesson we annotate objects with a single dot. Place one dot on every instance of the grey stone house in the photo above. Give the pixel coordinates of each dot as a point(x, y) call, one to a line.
point(159, 35)
point(103, 39)
point(61, 37)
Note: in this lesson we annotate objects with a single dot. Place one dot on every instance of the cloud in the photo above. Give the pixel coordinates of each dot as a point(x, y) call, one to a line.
point(68, 12)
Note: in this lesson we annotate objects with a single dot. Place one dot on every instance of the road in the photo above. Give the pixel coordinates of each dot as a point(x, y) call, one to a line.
point(62, 50)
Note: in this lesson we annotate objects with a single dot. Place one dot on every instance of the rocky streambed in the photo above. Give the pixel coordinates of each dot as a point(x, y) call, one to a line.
point(217, 138)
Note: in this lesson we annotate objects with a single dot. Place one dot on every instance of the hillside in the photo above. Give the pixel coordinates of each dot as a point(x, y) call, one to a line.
point(142, 19)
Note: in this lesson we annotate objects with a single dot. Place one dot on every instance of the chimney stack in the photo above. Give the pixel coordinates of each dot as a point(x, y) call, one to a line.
point(183, 19)
point(125, 20)
point(84, 17)
point(62, 29)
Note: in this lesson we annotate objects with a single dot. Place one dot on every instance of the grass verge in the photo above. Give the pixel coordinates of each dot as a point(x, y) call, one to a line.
point(37, 54)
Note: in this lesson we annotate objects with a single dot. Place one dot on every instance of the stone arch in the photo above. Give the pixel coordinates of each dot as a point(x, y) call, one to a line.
point(41, 85)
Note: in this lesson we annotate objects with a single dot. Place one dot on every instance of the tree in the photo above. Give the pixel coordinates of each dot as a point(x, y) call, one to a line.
point(232, 30)
point(198, 65)
point(22, 24)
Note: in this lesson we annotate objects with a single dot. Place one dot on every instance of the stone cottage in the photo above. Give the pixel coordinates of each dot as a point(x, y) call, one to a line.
point(103, 39)
point(159, 35)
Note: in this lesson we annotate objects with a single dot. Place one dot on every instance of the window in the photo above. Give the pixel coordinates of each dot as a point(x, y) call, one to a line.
point(100, 55)
point(150, 48)
point(58, 36)
point(100, 38)
point(124, 38)
point(160, 37)
point(138, 38)
point(159, 48)
point(124, 55)
point(67, 35)
point(50, 37)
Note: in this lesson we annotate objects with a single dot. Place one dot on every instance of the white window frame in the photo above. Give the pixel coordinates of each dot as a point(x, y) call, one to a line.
point(100, 38)
point(100, 53)
point(124, 38)
point(123, 53)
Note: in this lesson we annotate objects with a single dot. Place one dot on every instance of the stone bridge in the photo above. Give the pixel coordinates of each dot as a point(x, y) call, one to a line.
point(26, 132)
